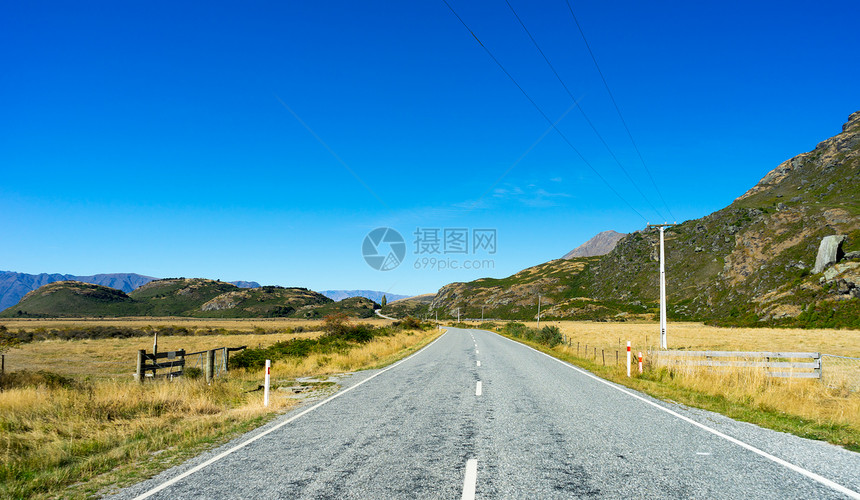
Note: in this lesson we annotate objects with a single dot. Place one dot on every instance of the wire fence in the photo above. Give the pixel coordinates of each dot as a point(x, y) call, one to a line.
point(198, 360)
point(840, 371)
point(836, 371)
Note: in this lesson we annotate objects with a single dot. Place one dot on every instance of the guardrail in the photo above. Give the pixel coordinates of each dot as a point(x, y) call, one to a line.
point(743, 359)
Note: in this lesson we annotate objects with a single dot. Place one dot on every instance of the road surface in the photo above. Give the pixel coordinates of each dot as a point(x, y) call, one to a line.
point(477, 415)
point(379, 313)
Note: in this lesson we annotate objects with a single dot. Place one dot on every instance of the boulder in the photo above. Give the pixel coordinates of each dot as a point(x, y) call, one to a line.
point(828, 252)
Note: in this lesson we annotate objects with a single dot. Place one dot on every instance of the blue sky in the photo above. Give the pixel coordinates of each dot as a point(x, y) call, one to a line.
point(158, 138)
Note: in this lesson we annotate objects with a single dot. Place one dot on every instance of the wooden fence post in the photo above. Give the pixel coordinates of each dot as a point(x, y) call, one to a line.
point(226, 359)
point(209, 366)
point(2, 364)
point(139, 372)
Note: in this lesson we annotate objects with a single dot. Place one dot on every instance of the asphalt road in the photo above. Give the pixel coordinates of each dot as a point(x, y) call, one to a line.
point(476, 413)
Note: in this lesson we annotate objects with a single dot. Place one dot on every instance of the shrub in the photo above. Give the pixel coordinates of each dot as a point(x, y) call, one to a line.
point(550, 336)
point(194, 372)
point(409, 323)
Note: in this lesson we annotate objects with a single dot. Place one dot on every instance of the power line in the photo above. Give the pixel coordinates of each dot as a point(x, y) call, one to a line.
point(582, 111)
point(539, 110)
point(617, 109)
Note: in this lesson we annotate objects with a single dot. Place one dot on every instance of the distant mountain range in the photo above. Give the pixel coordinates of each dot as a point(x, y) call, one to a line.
point(373, 295)
point(599, 244)
point(13, 286)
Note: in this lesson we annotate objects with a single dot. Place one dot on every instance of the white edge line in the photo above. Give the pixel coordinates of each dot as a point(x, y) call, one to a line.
point(243, 444)
point(821, 479)
point(478, 389)
point(470, 480)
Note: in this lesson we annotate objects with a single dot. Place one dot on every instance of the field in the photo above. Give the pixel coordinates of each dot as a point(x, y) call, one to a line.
point(75, 423)
point(827, 410)
point(696, 336)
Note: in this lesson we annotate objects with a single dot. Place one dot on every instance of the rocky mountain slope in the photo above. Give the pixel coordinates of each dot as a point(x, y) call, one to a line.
point(749, 263)
point(599, 244)
point(182, 297)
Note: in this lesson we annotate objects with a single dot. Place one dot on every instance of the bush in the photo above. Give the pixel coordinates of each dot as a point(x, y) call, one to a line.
point(340, 337)
point(550, 336)
point(193, 372)
point(409, 323)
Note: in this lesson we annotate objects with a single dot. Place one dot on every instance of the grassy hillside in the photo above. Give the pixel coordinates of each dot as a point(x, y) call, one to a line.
point(68, 298)
point(183, 297)
point(563, 284)
point(417, 307)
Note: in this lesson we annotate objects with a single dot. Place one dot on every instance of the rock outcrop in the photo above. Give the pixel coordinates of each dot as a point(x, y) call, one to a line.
point(828, 252)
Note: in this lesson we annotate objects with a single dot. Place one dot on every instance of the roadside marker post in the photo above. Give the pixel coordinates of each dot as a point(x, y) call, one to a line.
point(628, 358)
point(640, 362)
point(266, 383)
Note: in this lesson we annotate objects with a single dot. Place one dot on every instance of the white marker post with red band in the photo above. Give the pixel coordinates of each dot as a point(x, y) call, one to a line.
point(266, 383)
point(628, 358)
point(640, 362)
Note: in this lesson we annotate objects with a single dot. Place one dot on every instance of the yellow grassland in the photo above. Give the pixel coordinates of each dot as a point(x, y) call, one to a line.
point(106, 430)
point(829, 408)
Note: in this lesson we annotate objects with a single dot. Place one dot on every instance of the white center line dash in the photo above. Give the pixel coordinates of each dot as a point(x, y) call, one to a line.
point(470, 480)
point(479, 363)
point(478, 389)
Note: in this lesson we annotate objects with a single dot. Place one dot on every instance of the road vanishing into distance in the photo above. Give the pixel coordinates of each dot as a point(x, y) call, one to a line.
point(475, 415)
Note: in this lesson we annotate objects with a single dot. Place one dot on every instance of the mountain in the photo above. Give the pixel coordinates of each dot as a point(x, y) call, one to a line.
point(750, 263)
point(195, 297)
point(599, 244)
point(562, 284)
point(246, 284)
point(14, 285)
point(416, 306)
point(373, 295)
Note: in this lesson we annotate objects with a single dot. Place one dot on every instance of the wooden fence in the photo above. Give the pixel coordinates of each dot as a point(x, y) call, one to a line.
point(776, 364)
point(175, 362)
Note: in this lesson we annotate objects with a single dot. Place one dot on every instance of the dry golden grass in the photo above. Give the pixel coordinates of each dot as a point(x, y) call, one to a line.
point(55, 438)
point(696, 336)
point(104, 429)
point(380, 352)
point(117, 357)
point(808, 407)
point(242, 324)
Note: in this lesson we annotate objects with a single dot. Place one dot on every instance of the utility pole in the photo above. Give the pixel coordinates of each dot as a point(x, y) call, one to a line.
point(662, 227)
point(458, 315)
point(538, 325)
point(482, 314)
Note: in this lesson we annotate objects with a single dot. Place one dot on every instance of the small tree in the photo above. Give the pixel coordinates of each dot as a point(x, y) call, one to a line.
point(383, 301)
point(7, 341)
